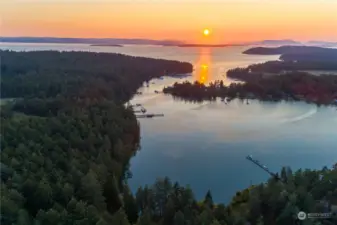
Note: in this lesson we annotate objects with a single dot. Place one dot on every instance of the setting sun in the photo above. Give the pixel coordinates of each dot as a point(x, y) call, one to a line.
point(206, 32)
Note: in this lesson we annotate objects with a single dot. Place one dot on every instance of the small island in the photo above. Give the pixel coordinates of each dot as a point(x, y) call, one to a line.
point(107, 45)
point(273, 81)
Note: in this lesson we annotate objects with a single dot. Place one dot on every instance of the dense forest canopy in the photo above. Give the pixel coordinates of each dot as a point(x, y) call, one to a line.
point(79, 74)
point(67, 138)
point(286, 79)
point(66, 141)
point(291, 86)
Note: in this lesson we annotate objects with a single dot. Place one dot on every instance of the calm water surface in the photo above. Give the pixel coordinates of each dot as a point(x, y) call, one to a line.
point(205, 144)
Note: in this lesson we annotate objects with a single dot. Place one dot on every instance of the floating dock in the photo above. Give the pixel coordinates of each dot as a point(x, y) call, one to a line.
point(143, 110)
point(136, 105)
point(149, 115)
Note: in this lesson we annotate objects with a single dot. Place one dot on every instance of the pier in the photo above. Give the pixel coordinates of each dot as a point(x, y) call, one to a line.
point(140, 111)
point(143, 111)
point(149, 115)
point(136, 105)
point(256, 162)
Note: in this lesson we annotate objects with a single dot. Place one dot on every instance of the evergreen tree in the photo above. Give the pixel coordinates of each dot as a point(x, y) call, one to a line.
point(145, 218)
point(120, 218)
point(130, 206)
point(179, 218)
point(208, 200)
point(92, 190)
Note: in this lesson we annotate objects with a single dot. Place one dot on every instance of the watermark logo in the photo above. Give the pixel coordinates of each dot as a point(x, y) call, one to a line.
point(301, 215)
point(319, 215)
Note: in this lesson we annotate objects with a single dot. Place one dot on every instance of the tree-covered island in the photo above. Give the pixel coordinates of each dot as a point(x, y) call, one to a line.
point(287, 79)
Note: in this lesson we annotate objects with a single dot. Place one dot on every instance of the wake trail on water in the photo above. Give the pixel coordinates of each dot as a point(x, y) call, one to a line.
point(200, 106)
point(147, 100)
point(306, 115)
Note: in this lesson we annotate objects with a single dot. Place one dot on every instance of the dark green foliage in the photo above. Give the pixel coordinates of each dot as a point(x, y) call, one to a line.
point(179, 218)
point(79, 74)
point(276, 202)
point(130, 205)
point(208, 201)
point(145, 219)
point(67, 139)
point(119, 218)
point(66, 145)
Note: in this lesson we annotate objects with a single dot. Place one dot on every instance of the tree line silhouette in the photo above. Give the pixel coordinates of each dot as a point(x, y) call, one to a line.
point(270, 81)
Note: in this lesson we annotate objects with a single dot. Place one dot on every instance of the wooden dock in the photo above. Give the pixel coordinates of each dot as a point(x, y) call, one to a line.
point(149, 115)
point(256, 162)
point(140, 111)
point(136, 105)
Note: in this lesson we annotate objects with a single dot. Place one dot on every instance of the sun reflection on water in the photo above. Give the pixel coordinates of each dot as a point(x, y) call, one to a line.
point(208, 70)
point(203, 65)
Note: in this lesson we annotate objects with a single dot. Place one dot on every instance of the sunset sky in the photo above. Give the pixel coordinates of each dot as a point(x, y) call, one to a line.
point(228, 20)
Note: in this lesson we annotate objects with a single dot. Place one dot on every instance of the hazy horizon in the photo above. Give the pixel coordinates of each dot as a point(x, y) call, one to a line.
point(173, 40)
point(228, 21)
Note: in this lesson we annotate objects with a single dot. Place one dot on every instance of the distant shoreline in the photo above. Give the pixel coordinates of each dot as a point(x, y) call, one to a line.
point(288, 49)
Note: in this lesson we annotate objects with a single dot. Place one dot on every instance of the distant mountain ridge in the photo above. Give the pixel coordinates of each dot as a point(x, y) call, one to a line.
point(322, 43)
point(295, 53)
point(139, 41)
point(279, 42)
point(101, 41)
point(286, 50)
point(294, 43)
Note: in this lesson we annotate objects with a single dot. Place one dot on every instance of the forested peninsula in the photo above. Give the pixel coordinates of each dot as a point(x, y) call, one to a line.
point(66, 142)
point(66, 139)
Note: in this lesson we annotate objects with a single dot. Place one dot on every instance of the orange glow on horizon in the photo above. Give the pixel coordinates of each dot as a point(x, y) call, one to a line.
point(182, 20)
